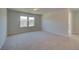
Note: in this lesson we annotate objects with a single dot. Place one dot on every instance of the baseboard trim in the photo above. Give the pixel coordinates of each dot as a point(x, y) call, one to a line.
point(62, 34)
point(59, 34)
point(9, 34)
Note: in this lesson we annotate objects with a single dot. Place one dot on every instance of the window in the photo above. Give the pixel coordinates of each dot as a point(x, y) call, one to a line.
point(23, 21)
point(31, 21)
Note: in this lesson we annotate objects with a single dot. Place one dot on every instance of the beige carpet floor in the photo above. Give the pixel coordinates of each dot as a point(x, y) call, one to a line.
point(40, 41)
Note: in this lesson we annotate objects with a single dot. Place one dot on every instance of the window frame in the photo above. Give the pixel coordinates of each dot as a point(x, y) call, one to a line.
point(28, 21)
point(33, 22)
point(20, 22)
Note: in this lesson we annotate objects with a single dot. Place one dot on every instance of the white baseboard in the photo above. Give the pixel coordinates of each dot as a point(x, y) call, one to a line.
point(65, 35)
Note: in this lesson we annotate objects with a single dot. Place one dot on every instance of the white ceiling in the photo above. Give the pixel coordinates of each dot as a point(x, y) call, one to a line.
point(39, 11)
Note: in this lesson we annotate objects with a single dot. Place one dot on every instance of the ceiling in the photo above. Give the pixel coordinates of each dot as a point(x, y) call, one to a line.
point(39, 11)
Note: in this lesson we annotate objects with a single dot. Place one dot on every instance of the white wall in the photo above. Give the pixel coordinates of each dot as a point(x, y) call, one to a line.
point(56, 22)
point(75, 22)
point(3, 25)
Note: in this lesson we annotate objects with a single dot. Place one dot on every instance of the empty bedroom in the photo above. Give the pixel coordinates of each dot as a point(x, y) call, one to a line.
point(35, 29)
